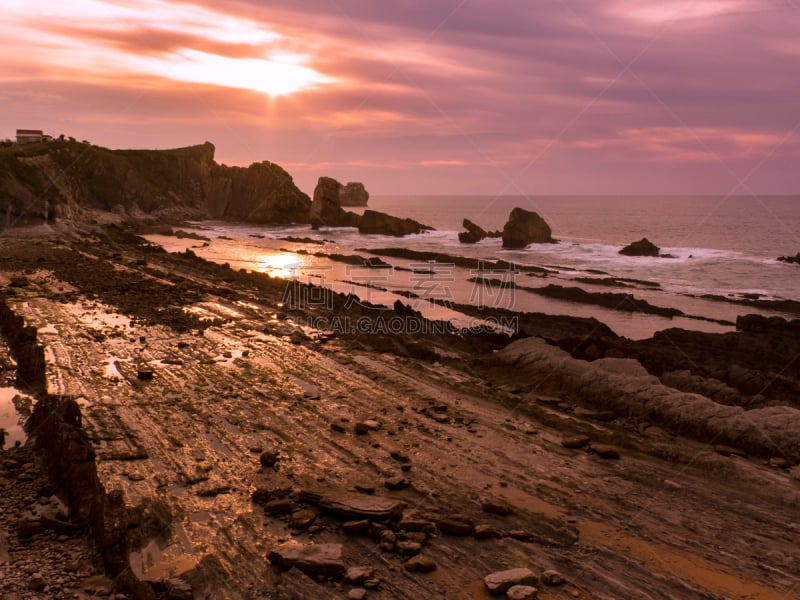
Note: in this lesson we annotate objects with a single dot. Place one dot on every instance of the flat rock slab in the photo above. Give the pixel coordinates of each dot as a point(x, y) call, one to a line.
point(311, 559)
point(361, 506)
point(500, 582)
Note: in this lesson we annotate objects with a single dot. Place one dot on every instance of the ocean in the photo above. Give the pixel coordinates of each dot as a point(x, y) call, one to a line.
point(721, 246)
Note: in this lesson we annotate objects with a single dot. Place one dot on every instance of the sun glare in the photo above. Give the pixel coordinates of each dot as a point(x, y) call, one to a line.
point(276, 75)
point(281, 265)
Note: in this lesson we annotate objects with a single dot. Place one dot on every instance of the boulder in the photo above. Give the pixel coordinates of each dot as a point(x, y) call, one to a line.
point(353, 194)
point(474, 233)
point(326, 209)
point(311, 559)
point(525, 227)
point(374, 222)
point(643, 247)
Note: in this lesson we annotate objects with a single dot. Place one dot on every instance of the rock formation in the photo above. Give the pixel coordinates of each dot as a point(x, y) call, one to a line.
point(473, 234)
point(643, 247)
point(64, 179)
point(380, 223)
point(525, 227)
point(353, 194)
point(790, 259)
point(260, 193)
point(326, 209)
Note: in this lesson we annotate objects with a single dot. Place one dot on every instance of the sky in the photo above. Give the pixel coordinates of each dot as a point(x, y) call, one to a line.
point(497, 97)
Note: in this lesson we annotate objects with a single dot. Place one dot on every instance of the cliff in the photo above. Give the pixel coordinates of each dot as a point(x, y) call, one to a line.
point(63, 179)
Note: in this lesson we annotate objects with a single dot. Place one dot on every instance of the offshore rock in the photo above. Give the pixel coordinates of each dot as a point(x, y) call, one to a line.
point(643, 247)
point(326, 209)
point(473, 234)
point(525, 227)
point(374, 222)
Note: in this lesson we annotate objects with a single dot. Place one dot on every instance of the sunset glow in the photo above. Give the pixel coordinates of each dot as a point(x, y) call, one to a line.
point(447, 97)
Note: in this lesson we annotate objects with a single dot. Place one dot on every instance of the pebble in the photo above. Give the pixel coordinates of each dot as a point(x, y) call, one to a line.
point(607, 452)
point(522, 592)
point(419, 564)
point(303, 519)
point(779, 462)
point(398, 482)
point(484, 532)
point(496, 507)
point(355, 526)
point(551, 577)
point(454, 526)
point(408, 548)
point(358, 575)
point(268, 458)
point(400, 456)
point(729, 451)
point(357, 594)
point(575, 441)
point(388, 540)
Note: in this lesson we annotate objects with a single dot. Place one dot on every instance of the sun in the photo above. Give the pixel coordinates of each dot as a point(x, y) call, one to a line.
point(275, 75)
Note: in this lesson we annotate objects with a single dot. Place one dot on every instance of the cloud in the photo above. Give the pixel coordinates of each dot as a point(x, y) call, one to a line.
point(470, 93)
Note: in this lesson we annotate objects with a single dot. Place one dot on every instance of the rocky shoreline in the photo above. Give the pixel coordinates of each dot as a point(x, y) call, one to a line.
point(262, 457)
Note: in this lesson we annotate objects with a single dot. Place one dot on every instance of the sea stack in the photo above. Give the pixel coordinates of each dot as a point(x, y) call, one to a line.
point(353, 193)
point(525, 227)
point(326, 209)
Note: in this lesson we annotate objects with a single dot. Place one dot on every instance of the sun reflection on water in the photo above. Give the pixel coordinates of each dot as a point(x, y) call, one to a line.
point(286, 266)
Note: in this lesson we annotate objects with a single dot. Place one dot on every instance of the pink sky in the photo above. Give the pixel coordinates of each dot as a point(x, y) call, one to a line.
point(449, 96)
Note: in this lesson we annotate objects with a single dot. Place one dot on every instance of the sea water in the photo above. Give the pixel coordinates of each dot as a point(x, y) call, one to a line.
point(723, 246)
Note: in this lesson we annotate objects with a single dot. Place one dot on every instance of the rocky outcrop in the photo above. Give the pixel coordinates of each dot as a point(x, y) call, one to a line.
point(643, 247)
point(66, 179)
point(260, 193)
point(625, 387)
point(525, 227)
point(375, 222)
point(790, 259)
point(326, 209)
point(353, 194)
point(473, 234)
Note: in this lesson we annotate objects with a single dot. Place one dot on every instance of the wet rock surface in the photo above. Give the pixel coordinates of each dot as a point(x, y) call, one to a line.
point(483, 494)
